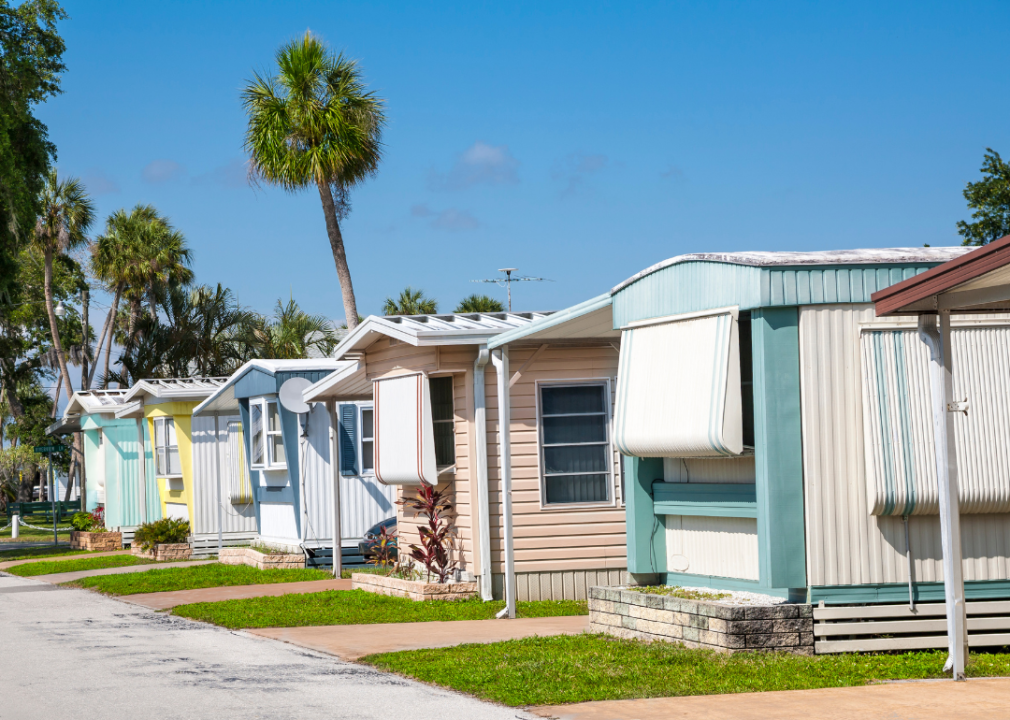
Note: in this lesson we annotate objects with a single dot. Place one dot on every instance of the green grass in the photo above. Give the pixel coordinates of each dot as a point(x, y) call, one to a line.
point(201, 576)
point(27, 533)
point(578, 668)
point(48, 567)
point(677, 591)
point(39, 552)
point(357, 607)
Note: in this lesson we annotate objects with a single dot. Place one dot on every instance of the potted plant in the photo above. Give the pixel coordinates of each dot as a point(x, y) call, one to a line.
point(165, 539)
point(435, 554)
point(90, 533)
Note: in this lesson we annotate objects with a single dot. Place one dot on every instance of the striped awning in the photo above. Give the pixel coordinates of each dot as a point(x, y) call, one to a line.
point(678, 387)
point(404, 434)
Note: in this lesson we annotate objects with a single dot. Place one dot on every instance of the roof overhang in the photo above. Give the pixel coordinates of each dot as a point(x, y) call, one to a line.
point(68, 424)
point(92, 402)
point(130, 410)
point(592, 319)
point(977, 282)
point(223, 401)
point(348, 382)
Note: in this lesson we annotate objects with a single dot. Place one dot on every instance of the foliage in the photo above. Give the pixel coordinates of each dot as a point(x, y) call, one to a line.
point(290, 334)
point(579, 668)
point(89, 522)
point(359, 607)
point(51, 567)
point(192, 578)
point(989, 199)
point(383, 548)
point(435, 552)
point(477, 303)
point(161, 532)
point(676, 591)
point(15, 461)
point(410, 302)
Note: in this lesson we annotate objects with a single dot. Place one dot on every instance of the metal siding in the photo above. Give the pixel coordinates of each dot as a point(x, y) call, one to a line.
point(236, 518)
point(717, 546)
point(846, 545)
point(122, 506)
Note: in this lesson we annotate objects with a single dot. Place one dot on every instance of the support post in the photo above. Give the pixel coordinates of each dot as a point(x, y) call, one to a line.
point(142, 452)
point(934, 331)
point(52, 496)
point(217, 465)
point(338, 565)
point(500, 359)
point(646, 531)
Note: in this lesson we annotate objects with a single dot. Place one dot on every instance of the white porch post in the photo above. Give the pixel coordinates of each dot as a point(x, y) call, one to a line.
point(338, 567)
point(942, 391)
point(500, 358)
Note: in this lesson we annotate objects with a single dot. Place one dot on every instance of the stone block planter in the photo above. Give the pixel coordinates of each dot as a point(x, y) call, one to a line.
point(413, 589)
point(263, 561)
point(702, 623)
point(163, 552)
point(98, 541)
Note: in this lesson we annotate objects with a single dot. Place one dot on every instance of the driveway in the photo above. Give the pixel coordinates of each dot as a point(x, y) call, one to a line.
point(65, 650)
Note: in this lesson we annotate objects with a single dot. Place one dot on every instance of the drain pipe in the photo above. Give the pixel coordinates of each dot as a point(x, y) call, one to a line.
point(908, 558)
point(483, 501)
point(500, 358)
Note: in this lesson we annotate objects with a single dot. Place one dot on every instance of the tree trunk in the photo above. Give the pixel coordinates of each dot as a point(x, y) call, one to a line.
point(339, 258)
point(74, 467)
point(57, 345)
point(10, 387)
point(111, 323)
point(134, 315)
point(85, 302)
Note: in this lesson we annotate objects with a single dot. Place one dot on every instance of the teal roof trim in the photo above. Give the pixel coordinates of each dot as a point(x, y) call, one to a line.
point(552, 320)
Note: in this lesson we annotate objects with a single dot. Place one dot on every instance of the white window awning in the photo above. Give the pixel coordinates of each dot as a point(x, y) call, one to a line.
point(404, 435)
point(678, 387)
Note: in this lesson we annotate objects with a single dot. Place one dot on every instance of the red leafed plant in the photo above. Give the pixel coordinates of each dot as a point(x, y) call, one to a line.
point(437, 540)
point(383, 547)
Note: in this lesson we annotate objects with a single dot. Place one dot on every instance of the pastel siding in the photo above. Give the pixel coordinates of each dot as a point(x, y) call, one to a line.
point(182, 413)
point(210, 456)
point(118, 460)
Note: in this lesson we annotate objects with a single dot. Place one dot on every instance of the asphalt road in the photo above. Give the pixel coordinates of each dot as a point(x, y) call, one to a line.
point(73, 653)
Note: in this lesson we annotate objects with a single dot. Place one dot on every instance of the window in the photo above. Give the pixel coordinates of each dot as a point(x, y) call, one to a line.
point(443, 421)
point(575, 443)
point(367, 440)
point(166, 447)
point(267, 436)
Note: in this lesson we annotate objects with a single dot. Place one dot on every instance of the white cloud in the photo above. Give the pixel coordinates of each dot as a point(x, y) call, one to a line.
point(478, 164)
point(449, 219)
point(96, 182)
point(234, 174)
point(162, 171)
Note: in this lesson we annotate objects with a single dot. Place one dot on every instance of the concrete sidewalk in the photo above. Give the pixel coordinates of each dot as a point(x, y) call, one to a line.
point(166, 600)
point(57, 578)
point(350, 642)
point(911, 700)
point(11, 563)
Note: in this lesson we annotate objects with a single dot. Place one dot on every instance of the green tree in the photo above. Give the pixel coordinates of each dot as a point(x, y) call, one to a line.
point(315, 123)
point(410, 302)
point(479, 304)
point(989, 200)
point(291, 334)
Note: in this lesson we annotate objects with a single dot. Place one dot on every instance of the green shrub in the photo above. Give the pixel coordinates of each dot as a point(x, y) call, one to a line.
point(89, 522)
point(161, 532)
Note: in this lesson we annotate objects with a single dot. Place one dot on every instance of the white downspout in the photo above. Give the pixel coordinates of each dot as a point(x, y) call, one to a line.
point(483, 500)
point(142, 451)
point(500, 358)
point(937, 339)
point(331, 407)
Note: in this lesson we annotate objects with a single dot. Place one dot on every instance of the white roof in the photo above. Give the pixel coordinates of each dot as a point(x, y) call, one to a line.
point(223, 398)
point(87, 402)
point(873, 256)
point(175, 388)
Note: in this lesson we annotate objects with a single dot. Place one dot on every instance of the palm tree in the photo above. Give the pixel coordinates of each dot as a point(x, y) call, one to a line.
point(315, 123)
point(66, 213)
point(292, 334)
point(479, 304)
point(410, 302)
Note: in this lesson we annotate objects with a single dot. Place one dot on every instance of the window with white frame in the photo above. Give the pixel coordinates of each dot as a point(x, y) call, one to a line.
point(367, 440)
point(443, 420)
point(166, 447)
point(575, 454)
point(266, 438)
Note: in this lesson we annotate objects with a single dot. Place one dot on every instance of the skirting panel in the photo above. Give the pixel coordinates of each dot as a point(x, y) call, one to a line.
point(560, 584)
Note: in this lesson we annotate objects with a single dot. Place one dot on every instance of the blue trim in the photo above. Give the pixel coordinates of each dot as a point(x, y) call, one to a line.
point(723, 583)
point(898, 592)
point(705, 499)
point(646, 541)
point(348, 432)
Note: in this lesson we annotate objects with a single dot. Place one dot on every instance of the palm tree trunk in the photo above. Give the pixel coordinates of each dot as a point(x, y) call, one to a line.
point(52, 327)
point(339, 258)
point(85, 302)
point(134, 314)
point(10, 387)
point(111, 323)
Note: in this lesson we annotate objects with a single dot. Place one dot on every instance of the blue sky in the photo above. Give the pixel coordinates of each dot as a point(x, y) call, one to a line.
point(580, 142)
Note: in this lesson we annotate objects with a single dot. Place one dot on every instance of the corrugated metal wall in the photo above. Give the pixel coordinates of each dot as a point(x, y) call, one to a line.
point(719, 546)
point(558, 584)
point(210, 458)
point(846, 545)
point(122, 476)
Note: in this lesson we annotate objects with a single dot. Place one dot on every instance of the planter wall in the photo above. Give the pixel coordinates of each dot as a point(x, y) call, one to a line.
point(256, 559)
point(702, 623)
point(165, 551)
point(413, 589)
point(100, 541)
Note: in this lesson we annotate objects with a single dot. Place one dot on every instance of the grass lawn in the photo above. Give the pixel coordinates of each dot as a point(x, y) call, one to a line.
point(39, 552)
point(357, 607)
point(577, 668)
point(48, 567)
point(201, 576)
point(27, 533)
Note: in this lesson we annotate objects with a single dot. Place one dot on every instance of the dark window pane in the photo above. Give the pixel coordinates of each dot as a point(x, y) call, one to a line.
point(445, 444)
point(577, 488)
point(441, 398)
point(575, 429)
point(366, 424)
point(574, 399)
point(575, 459)
point(367, 455)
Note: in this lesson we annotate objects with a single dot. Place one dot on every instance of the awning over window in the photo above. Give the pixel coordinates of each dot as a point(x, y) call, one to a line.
point(678, 387)
point(404, 438)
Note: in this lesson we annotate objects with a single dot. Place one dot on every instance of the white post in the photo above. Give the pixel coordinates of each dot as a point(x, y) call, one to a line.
point(501, 363)
point(338, 560)
point(15, 526)
point(142, 452)
point(942, 391)
point(217, 467)
point(483, 490)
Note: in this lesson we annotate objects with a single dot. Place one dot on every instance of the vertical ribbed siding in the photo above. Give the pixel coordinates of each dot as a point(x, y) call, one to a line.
point(719, 546)
point(206, 456)
point(122, 475)
point(846, 545)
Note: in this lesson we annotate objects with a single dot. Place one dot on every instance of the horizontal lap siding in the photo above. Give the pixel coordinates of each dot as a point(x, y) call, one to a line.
point(548, 541)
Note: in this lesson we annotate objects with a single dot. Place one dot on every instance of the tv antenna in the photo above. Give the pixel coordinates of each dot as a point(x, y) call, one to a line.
point(506, 282)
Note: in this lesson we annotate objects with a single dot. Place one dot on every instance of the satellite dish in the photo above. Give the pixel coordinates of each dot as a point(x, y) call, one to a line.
point(290, 395)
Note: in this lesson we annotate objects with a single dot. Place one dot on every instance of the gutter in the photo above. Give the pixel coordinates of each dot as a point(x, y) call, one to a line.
point(483, 491)
point(500, 358)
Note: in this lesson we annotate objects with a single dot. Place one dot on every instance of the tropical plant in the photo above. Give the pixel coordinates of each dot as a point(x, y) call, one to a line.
point(989, 198)
point(410, 302)
point(437, 548)
point(291, 334)
point(161, 532)
point(314, 123)
point(479, 304)
point(383, 548)
point(89, 521)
